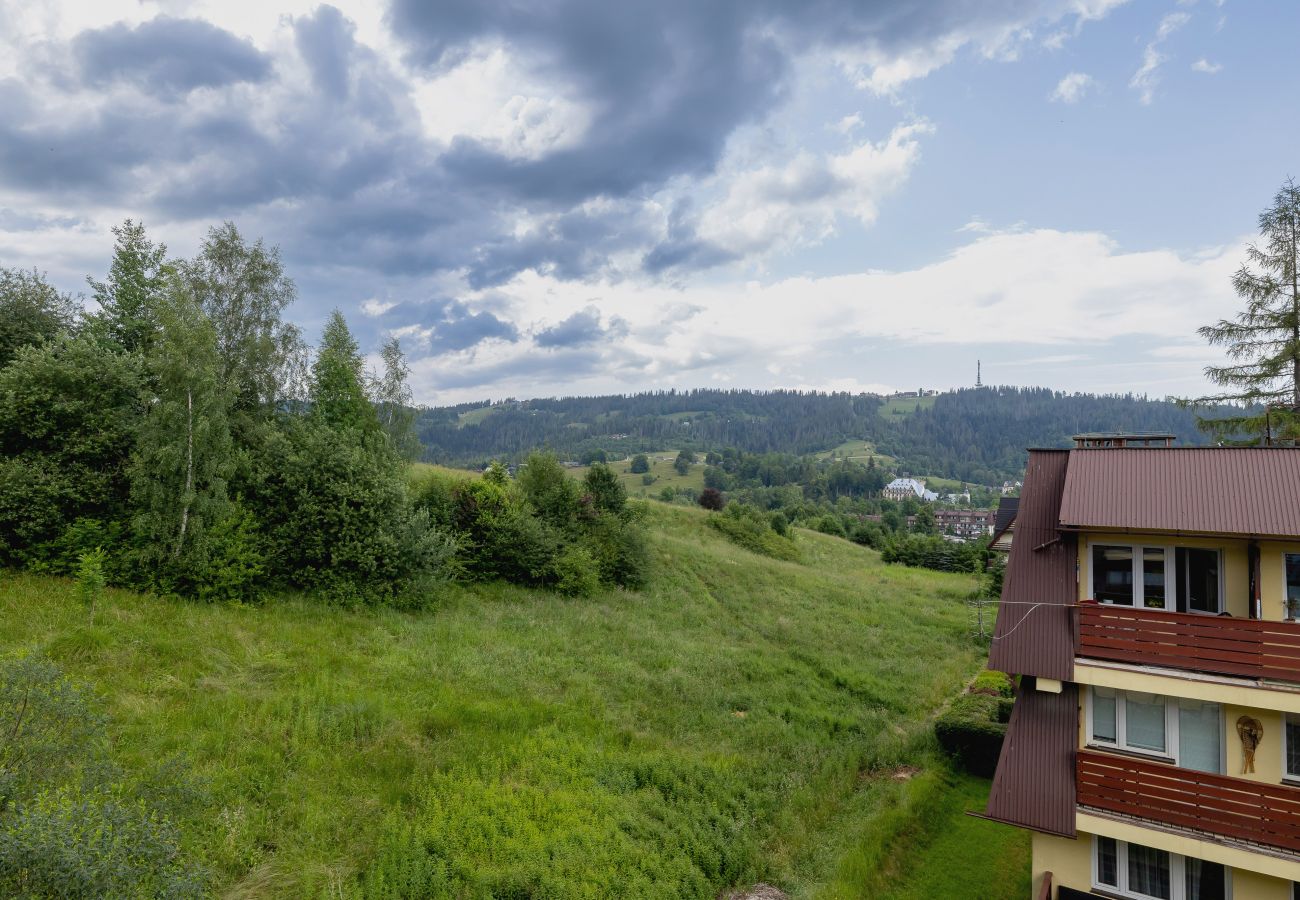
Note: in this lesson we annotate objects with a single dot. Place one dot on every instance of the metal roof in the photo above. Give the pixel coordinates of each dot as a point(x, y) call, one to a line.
point(1033, 786)
point(1034, 634)
point(1200, 490)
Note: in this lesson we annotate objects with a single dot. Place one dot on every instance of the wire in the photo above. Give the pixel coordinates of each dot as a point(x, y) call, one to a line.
point(1032, 607)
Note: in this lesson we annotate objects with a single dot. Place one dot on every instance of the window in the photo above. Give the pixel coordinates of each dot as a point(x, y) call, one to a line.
point(1198, 580)
point(1292, 563)
point(1188, 732)
point(1128, 576)
point(1150, 874)
point(1291, 750)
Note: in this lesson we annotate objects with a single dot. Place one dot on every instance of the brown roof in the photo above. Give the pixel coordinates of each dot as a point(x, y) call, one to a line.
point(1202, 490)
point(1034, 783)
point(1034, 634)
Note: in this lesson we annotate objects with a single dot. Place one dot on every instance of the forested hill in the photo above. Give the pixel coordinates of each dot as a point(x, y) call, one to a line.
point(977, 434)
point(980, 434)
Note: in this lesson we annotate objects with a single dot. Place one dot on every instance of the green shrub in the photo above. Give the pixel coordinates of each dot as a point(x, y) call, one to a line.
point(236, 559)
point(605, 490)
point(620, 549)
point(576, 573)
point(931, 552)
point(969, 732)
point(748, 527)
point(779, 523)
point(550, 491)
point(90, 578)
point(640, 464)
point(830, 524)
point(648, 479)
point(994, 683)
point(668, 495)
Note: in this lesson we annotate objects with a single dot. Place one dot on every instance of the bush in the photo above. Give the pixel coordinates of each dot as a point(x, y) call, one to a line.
point(550, 491)
point(712, 499)
point(830, 524)
point(640, 464)
point(235, 559)
point(648, 479)
point(778, 522)
point(969, 732)
point(620, 549)
point(605, 490)
point(668, 495)
point(70, 827)
point(931, 552)
point(747, 527)
point(993, 683)
point(576, 574)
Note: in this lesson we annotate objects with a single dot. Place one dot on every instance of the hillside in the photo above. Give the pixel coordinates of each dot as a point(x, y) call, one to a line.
point(977, 435)
point(739, 720)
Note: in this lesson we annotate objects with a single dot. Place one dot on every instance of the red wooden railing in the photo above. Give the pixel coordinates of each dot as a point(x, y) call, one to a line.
point(1219, 804)
point(1225, 645)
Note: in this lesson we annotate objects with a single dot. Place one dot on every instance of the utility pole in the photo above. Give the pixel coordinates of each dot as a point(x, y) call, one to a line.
point(978, 381)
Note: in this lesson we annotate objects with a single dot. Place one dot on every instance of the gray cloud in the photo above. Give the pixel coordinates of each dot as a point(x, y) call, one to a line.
point(167, 56)
point(325, 42)
point(581, 328)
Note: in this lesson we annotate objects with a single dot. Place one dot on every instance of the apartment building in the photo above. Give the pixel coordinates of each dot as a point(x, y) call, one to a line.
point(965, 523)
point(1150, 608)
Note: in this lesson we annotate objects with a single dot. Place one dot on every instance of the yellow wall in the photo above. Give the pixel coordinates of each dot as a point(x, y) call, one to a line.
point(1272, 577)
point(1268, 755)
point(1218, 690)
point(1069, 861)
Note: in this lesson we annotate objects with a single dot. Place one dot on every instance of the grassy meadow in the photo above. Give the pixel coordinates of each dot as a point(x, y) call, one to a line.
point(904, 406)
point(661, 471)
point(740, 720)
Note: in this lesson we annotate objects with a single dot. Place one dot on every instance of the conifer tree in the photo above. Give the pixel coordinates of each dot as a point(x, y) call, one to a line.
point(1263, 341)
point(131, 294)
point(338, 397)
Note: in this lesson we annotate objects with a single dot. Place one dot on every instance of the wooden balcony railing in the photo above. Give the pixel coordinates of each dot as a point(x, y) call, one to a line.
point(1236, 808)
point(1224, 645)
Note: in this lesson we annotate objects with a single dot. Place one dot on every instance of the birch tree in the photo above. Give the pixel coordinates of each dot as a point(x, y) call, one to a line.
point(183, 454)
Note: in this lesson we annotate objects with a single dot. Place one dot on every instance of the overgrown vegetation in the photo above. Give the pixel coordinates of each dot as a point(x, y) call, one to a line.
point(722, 727)
point(752, 529)
point(971, 729)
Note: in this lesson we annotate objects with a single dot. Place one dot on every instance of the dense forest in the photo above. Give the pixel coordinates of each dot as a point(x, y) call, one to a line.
point(978, 434)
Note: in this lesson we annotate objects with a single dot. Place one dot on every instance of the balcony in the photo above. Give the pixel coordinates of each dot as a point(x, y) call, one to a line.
point(1254, 811)
point(1223, 645)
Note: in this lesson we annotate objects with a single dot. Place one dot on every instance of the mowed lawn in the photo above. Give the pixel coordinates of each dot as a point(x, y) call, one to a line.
point(740, 720)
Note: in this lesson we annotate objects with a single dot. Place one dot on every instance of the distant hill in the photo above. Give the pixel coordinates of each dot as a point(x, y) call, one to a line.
point(977, 434)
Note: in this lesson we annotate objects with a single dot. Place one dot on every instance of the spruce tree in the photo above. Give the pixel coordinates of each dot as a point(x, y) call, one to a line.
point(338, 396)
point(1263, 341)
point(134, 289)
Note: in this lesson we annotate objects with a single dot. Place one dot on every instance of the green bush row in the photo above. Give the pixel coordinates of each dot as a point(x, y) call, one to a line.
point(971, 729)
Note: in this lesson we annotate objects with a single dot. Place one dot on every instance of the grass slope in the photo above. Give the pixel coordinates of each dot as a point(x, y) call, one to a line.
point(736, 721)
point(661, 470)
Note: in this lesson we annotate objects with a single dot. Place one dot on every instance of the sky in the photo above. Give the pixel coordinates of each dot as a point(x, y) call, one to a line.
point(585, 197)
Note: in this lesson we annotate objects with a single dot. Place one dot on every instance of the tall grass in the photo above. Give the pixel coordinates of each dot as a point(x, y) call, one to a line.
point(728, 724)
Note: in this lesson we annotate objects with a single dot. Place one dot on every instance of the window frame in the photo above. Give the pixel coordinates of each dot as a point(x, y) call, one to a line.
point(1172, 752)
point(1286, 603)
point(1177, 873)
point(1172, 576)
point(1287, 775)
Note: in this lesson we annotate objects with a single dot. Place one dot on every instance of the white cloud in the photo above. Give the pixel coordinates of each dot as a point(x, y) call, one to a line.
point(775, 207)
point(373, 307)
point(1072, 87)
point(1147, 76)
point(848, 124)
point(1207, 67)
point(1035, 288)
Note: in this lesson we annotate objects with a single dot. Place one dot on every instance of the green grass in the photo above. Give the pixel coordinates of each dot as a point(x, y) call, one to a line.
point(661, 469)
point(896, 407)
point(734, 722)
point(860, 451)
point(474, 416)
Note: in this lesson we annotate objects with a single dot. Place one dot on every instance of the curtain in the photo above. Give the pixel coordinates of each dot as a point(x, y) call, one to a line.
point(1148, 871)
point(1144, 716)
point(1205, 880)
point(1103, 715)
point(1198, 736)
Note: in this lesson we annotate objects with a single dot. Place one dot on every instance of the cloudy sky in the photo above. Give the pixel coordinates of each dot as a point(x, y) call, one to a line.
point(586, 196)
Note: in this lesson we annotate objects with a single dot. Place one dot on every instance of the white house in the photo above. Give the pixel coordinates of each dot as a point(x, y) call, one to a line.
point(908, 488)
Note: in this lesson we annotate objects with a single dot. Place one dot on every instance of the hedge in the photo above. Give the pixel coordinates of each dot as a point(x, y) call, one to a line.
point(970, 732)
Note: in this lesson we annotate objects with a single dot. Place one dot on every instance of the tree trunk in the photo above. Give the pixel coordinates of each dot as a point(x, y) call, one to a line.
point(189, 469)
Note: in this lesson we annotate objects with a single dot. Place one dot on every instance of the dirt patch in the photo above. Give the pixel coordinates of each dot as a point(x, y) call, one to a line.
point(757, 892)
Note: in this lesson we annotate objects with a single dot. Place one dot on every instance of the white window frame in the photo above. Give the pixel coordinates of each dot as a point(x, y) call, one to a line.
point(1136, 551)
point(1286, 609)
point(1177, 873)
point(1223, 596)
point(1287, 775)
point(1171, 752)
point(1172, 575)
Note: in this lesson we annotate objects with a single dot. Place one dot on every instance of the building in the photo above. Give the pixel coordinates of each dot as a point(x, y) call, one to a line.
point(1150, 609)
point(908, 489)
point(964, 523)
